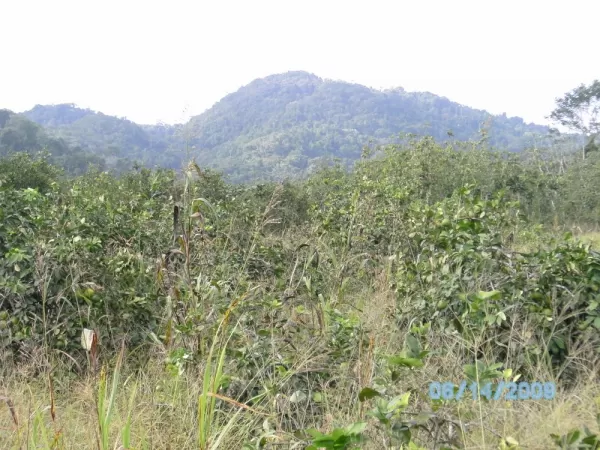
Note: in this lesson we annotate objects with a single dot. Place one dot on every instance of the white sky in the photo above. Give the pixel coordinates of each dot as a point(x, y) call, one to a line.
point(164, 61)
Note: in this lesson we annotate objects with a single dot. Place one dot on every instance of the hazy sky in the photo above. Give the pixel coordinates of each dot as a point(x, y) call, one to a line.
point(166, 60)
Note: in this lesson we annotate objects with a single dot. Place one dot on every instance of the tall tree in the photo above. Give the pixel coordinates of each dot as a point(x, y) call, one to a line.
point(579, 110)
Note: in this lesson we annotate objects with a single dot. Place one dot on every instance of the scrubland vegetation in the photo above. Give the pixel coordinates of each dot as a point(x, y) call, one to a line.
point(307, 313)
point(161, 309)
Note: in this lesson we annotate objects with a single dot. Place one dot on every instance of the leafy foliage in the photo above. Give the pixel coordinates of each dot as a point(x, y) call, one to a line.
point(265, 292)
point(22, 170)
point(579, 110)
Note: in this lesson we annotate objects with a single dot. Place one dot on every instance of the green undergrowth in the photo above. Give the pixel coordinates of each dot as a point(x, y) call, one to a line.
point(162, 311)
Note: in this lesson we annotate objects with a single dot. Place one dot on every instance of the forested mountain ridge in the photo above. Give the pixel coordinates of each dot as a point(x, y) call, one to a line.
point(284, 101)
point(114, 138)
point(19, 134)
point(284, 125)
point(295, 119)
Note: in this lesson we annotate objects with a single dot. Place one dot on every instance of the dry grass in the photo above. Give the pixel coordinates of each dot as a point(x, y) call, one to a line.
point(164, 414)
point(591, 237)
point(164, 409)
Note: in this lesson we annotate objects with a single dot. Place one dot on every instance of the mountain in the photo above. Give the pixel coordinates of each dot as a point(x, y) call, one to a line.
point(116, 139)
point(19, 134)
point(291, 121)
point(284, 125)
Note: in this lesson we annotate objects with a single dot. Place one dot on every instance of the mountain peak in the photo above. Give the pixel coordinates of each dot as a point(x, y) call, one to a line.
point(294, 76)
point(295, 80)
point(57, 115)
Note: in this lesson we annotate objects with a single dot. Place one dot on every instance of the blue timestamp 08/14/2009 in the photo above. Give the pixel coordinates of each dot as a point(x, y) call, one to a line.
point(493, 391)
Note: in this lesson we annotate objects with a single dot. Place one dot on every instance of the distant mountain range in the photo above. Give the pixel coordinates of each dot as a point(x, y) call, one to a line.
point(283, 125)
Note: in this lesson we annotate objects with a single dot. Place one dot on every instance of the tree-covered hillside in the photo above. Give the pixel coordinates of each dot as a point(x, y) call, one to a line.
point(284, 125)
point(118, 140)
point(18, 134)
point(290, 122)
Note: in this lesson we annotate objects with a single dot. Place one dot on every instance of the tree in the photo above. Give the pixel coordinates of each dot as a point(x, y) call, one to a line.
point(579, 110)
point(23, 170)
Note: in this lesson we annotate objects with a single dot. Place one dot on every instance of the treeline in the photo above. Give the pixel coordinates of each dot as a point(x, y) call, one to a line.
point(552, 186)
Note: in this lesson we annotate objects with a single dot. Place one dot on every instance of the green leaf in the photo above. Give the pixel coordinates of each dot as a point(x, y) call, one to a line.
point(490, 295)
point(458, 325)
point(314, 433)
point(356, 428)
point(573, 436)
point(592, 441)
point(413, 345)
point(405, 362)
point(367, 394)
point(400, 401)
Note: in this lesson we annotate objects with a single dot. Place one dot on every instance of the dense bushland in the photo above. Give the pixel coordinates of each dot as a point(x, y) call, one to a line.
point(309, 312)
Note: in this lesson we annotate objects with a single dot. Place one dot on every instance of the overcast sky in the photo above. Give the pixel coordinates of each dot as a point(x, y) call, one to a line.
point(155, 61)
